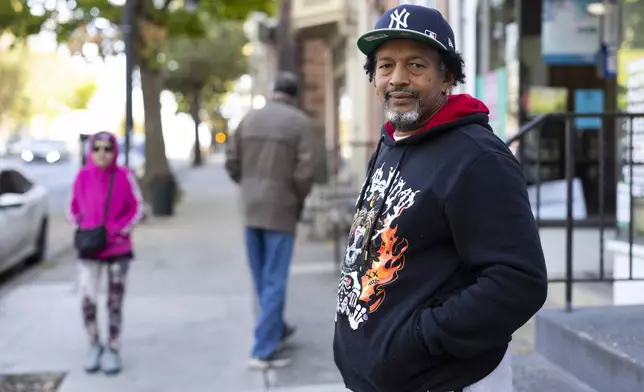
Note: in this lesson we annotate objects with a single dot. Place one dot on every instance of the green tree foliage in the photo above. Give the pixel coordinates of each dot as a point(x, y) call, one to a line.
point(39, 83)
point(16, 18)
point(81, 95)
point(199, 71)
point(14, 101)
point(78, 22)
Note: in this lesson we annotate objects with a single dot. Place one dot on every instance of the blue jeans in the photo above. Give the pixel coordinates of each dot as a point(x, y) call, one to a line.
point(269, 254)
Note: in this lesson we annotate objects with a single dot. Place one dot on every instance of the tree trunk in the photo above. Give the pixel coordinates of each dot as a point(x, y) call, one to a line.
point(156, 162)
point(194, 110)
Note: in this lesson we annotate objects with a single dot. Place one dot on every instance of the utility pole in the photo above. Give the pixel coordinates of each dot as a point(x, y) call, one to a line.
point(129, 27)
point(285, 43)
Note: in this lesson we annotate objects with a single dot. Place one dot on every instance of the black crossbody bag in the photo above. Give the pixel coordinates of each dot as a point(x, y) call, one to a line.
point(88, 242)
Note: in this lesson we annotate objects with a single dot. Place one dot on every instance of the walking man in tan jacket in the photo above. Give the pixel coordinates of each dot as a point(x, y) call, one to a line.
point(271, 156)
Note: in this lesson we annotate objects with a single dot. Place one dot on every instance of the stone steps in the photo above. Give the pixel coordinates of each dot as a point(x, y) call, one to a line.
point(602, 347)
point(534, 373)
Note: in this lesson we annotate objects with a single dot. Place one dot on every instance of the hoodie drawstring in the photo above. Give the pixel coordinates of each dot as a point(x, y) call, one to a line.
point(370, 169)
point(367, 184)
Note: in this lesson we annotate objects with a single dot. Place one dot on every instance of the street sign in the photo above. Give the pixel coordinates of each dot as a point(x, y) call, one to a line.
point(611, 34)
point(609, 61)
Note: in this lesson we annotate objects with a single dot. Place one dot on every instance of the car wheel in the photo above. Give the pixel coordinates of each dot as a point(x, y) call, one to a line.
point(41, 243)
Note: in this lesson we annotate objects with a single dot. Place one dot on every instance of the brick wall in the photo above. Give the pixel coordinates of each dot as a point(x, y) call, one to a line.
point(313, 54)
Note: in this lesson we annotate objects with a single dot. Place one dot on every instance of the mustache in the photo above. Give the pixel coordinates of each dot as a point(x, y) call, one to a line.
point(415, 94)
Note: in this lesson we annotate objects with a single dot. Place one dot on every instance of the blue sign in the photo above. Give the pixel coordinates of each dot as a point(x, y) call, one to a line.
point(609, 61)
point(589, 101)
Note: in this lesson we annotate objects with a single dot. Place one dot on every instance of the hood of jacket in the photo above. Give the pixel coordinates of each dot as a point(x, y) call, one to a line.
point(89, 162)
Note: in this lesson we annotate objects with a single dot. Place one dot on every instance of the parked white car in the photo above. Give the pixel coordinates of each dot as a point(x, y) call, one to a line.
point(23, 217)
point(49, 151)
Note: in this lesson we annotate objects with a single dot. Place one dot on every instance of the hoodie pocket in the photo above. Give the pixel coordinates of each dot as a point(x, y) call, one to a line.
point(406, 360)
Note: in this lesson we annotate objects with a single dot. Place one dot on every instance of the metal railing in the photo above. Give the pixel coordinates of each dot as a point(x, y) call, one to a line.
point(623, 129)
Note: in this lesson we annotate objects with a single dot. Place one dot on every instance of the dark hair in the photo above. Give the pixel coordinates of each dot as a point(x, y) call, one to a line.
point(286, 82)
point(451, 62)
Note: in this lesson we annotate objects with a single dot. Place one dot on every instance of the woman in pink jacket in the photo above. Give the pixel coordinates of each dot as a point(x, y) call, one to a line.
point(89, 208)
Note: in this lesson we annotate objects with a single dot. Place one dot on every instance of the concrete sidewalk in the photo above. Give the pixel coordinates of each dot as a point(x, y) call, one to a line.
point(189, 309)
point(61, 234)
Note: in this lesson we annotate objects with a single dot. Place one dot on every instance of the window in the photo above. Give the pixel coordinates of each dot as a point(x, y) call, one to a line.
point(632, 26)
point(501, 14)
point(13, 182)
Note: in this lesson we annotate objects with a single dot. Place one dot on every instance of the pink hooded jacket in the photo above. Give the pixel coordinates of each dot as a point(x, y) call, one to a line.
point(88, 198)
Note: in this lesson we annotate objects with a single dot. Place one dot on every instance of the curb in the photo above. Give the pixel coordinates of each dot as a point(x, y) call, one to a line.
point(312, 388)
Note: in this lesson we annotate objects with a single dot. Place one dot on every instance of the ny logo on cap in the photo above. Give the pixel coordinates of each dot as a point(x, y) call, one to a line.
point(399, 18)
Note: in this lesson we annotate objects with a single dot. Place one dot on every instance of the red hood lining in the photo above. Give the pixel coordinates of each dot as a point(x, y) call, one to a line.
point(457, 106)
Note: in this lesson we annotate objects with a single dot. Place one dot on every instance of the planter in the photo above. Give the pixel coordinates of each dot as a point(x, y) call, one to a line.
point(163, 189)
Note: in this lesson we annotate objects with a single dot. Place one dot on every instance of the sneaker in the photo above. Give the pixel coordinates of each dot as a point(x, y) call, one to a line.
point(111, 363)
point(289, 332)
point(272, 362)
point(93, 358)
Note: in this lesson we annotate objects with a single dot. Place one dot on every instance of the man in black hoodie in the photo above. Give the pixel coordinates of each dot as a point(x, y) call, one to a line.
point(444, 260)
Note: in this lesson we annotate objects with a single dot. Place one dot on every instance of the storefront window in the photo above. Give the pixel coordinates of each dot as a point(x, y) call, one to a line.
point(632, 46)
point(630, 80)
point(502, 12)
point(497, 66)
point(633, 23)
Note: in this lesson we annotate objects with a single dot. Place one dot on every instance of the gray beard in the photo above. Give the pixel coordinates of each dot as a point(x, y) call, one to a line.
point(403, 121)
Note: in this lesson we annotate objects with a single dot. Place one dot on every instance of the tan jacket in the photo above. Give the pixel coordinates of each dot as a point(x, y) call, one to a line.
point(271, 156)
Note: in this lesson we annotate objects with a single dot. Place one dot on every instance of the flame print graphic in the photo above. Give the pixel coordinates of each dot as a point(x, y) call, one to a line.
point(362, 288)
point(388, 261)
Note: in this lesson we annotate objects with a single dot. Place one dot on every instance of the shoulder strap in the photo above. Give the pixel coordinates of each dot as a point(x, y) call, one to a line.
point(109, 197)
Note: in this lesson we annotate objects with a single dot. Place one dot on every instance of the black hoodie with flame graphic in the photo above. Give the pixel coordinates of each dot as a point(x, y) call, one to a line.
point(443, 261)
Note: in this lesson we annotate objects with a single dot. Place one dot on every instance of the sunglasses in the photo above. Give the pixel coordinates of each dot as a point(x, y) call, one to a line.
point(105, 148)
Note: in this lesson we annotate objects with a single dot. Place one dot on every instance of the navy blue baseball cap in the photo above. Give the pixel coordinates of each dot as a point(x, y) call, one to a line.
point(408, 21)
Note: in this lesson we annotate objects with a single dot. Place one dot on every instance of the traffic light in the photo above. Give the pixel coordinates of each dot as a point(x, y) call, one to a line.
point(220, 137)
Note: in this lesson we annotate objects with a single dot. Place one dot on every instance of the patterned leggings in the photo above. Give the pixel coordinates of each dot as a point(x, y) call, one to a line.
point(89, 273)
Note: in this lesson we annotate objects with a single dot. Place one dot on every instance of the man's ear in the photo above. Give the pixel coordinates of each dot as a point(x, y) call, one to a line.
point(448, 82)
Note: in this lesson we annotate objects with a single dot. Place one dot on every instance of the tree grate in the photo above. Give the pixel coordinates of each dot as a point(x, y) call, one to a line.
point(32, 382)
